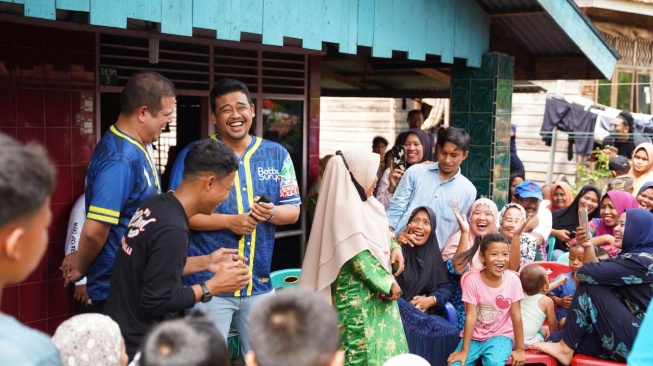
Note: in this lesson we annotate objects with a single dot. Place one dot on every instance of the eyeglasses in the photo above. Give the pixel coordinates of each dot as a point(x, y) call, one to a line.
point(359, 188)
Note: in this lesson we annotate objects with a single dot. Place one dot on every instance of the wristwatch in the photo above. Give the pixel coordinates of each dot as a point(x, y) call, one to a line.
point(206, 296)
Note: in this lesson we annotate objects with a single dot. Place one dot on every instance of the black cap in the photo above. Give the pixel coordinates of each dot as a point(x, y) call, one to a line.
point(619, 162)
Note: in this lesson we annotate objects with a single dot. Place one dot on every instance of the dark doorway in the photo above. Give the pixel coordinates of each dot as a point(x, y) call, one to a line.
point(185, 129)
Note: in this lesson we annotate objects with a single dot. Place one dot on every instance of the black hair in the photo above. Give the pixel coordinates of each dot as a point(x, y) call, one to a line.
point(379, 140)
point(599, 252)
point(294, 327)
point(226, 86)
point(512, 178)
point(145, 88)
point(190, 341)
point(26, 179)
point(414, 111)
point(480, 244)
point(532, 278)
point(456, 136)
point(209, 156)
point(628, 119)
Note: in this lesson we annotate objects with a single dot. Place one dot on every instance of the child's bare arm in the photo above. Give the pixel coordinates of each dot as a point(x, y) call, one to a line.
point(518, 355)
point(547, 306)
point(470, 323)
point(557, 283)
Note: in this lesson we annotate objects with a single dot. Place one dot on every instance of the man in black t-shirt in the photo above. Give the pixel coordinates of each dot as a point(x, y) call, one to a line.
point(621, 137)
point(146, 279)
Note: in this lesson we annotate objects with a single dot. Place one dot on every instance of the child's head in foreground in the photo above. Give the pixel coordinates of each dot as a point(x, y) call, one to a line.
point(26, 183)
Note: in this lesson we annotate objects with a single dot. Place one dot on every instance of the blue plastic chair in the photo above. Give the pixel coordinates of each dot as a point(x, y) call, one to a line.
point(285, 278)
point(564, 258)
point(552, 243)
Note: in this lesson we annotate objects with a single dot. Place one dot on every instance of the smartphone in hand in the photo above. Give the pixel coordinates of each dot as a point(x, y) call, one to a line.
point(583, 220)
point(398, 158)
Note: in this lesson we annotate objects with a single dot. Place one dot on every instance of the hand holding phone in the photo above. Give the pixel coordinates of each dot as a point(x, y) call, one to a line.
point(583, 220)
point(398, 157)
point(264, 198)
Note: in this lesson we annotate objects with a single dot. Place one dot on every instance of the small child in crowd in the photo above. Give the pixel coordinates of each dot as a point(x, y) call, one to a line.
point(536, 306)
point(621, 181)
point(191, 341)
point(562, 295)
point(492, 296)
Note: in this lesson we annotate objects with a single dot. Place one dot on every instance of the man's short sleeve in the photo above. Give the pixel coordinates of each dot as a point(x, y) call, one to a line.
point(289, 189)
point(177, 170)
point(110, 190)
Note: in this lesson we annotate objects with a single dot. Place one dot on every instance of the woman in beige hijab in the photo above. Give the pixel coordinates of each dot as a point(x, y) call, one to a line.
point(642, 164)
point(348, 260)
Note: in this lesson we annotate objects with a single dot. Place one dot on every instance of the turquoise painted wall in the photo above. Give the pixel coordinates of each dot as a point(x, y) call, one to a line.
point(443, 28)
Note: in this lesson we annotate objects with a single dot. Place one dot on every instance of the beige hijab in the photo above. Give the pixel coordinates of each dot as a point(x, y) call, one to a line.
point(640, 178)
point(344, 225)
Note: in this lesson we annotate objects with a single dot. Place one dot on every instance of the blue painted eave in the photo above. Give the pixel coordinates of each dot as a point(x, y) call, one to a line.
point(581, 31)
point(444, 28)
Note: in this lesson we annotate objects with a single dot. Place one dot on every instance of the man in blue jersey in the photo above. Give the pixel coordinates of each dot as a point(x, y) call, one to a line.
point(241, 222)
point(120, 176)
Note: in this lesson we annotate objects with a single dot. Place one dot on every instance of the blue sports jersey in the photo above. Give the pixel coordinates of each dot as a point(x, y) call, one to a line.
point(265, 168)
point(120, 176)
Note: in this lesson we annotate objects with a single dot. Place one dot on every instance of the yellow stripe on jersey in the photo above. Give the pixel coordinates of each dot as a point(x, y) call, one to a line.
point(104, 211)
point(241, 209)
point(250, 196)
point(155, 173)
point(107, 219)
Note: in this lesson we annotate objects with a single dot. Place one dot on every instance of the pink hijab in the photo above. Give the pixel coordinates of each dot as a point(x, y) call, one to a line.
point(344, 225)
point(622, 201)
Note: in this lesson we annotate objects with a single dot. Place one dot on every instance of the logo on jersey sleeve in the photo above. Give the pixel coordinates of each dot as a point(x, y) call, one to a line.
point(289, 186)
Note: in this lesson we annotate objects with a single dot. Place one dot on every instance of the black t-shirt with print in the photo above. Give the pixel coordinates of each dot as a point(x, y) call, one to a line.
point(146, 278)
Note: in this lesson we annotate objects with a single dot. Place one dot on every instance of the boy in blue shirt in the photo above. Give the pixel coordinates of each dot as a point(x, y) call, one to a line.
point(26, 183)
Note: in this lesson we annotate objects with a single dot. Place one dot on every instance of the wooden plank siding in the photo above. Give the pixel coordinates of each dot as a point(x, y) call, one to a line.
point(443, 28)
point(527, 115)
point(352, 123)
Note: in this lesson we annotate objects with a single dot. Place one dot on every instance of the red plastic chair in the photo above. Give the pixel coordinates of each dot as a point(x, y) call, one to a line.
point(553, 269)
point(583, 360)
point(535, 357)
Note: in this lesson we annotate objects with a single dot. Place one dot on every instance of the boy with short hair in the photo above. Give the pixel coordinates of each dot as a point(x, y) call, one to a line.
point(26, 183)
point(536, 306)
point(620, 181)
point(295, 327)
point(146, 278)
point(193, 340)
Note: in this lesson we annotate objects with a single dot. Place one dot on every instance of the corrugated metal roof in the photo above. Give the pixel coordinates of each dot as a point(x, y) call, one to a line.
point(529, 25)
point(529, 31)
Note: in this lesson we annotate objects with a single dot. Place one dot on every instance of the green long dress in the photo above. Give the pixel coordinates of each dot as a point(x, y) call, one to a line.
point(370, 327)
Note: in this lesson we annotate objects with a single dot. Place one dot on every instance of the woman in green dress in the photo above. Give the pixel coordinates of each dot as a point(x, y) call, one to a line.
point(349, 260)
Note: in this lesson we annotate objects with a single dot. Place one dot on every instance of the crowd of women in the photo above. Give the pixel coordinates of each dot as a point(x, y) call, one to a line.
point(393, 298)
